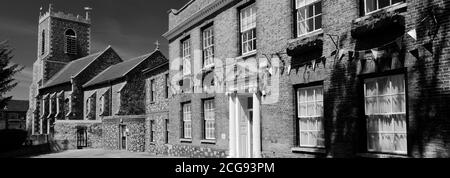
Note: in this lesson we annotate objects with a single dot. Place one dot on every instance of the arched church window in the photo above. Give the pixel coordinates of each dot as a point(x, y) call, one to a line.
point(71, 42)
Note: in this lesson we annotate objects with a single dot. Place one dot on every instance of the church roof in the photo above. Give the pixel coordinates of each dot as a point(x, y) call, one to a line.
point(73, 69)
point(118, 71)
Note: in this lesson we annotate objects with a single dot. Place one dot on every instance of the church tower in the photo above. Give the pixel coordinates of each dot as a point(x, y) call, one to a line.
point(62, 38)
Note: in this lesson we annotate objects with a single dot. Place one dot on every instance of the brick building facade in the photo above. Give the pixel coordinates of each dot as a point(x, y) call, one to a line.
point(255, 78)
point(356, 78)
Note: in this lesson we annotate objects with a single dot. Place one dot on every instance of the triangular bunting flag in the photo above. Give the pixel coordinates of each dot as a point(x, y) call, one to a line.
point(314, 65)
point(398, 42)
point(375, 53)
point(333, 53)
point(342, 53)
point(429, 47)
point(351, 55)
point(415, 53)
point(413, 34)
point(289, 69)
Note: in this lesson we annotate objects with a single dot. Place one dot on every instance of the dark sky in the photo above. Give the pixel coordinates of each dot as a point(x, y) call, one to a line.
point(130, 26)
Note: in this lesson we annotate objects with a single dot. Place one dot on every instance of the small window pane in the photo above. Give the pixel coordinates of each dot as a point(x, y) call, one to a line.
point(371, 88)
point(310, 25)
point(302, 108)
point(302, 14)
point(385, 104)
point(302, 28)
point(303, 138)
point(303, 124)
point(319, 109)
point(370, 5)
point(319, 94)
point(398, 84)
point(318, 22)
point(371, 106)
point(310, 11)
point(318, 8)
point(383, 86)
point(396, 1)
point(383, 3)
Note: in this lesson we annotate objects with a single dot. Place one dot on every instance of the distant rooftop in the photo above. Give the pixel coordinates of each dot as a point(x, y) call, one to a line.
point(17, 106)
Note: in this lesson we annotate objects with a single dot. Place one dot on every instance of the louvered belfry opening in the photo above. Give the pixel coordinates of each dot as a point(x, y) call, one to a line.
point(71, 42)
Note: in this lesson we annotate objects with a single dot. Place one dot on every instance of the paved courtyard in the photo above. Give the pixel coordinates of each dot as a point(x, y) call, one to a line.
point(98, 153)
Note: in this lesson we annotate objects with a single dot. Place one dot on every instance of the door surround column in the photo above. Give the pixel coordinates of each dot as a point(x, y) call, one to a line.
point(232, 126)
point(256, 125)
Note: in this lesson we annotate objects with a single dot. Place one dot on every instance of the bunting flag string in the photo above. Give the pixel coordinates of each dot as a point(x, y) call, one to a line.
point(339, 53)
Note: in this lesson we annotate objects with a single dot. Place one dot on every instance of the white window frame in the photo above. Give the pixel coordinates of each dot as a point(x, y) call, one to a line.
point(58, 102)
point(88, 106)
point(377, 8)
point(69, 96)
point(50, 105)
point(152, 92)
point(166, 85)
point(166, 126)
point(208, 47)
point(119, 98)
point(187, 121)
point(152, 131)
point(101, 104)
point(306, 4)
point(119, 101)
point(247, 17)
point(209, 119)
point(307, 116)
point(45, 104)
point(378, 111)
point(186, 54)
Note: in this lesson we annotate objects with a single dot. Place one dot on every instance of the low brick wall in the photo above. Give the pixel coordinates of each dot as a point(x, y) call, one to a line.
point(135, 138)
point(65, 137)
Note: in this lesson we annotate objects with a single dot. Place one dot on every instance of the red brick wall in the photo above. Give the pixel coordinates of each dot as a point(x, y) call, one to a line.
point(345, 127)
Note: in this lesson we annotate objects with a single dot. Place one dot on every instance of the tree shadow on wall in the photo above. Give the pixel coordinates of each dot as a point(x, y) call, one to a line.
point(340, 99)
point(430, 134)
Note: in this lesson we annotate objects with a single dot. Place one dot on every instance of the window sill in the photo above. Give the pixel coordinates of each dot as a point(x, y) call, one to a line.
point(310, 34)
point(208, 141)
point(392, 8)
point(185, 140)
point(381, 155)
point(249, 54)
point(308, 150)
